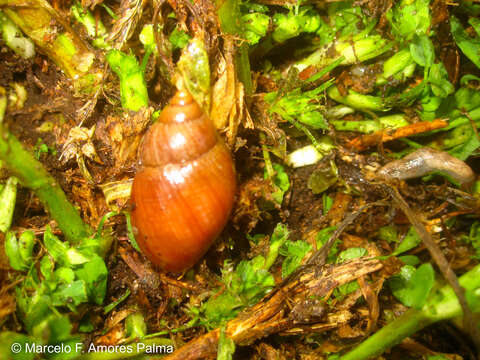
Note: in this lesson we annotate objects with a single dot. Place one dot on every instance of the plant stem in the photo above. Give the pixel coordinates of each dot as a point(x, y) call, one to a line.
point(31, 174)
point(231, 23)
point(442, 304)
point(39, 21)
point(390, 335)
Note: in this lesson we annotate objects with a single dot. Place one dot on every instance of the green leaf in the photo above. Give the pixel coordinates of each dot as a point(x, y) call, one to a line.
point(388, 233)
point(358, 101)
point(13, 253)
point(412, 286)
point(94, 26)
point(294, 23)
point(465, 79)
point(243, 286)
point(221, 308)
point(294, 252)
point(279, 236)
point(94, 273)
point(60, 328)
point(464, 99)
point(351, 253)
point(256, 26)
point(422, 50)
point(409, 260)
point(475, 22)
point(327, 203)
point(64, 275)
point(147, 38)
point(322, 237)
point(322, 178)
point(179, 38)
point(281, 182)
point(56, 248)
point(406, 98)
point(345, 19)
point(8, 196)
point(345, 289)
point(470, 46)
point(468, 145)
point(410, 241)
point(26, 243)
point(76, 257)
point(46, 267)
point(304, 107)
point(135, 326)
point(70, 294)
point(36, 310)
point(438, 80)
point(255, 281)
point(397, 63)
point(473, 238)
point(408, 18)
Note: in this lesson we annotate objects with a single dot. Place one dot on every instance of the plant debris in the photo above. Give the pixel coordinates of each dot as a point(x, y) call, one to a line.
point(353, 125)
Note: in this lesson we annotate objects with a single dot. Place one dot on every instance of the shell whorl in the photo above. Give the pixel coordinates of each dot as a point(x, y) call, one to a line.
point(182, 133)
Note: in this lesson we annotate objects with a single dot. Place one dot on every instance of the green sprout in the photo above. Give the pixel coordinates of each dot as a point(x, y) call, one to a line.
point(409, 18)
point(66, 277)
point(297, 21)
point(95, 28)
point(294, 252)
point(256, 23)
point(304, 107)
point(133, 88)
point(243, 285)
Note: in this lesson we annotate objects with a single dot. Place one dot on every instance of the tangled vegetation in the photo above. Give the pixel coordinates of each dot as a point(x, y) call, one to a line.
point(355, 232)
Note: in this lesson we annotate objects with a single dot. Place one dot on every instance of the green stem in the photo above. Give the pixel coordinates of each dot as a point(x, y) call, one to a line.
point(441, 305)
point(39, 21)
point(266, 157)
point(390, 335)
point(31, 174)
point(231, 23)
point(352, 52)
point(357, 100)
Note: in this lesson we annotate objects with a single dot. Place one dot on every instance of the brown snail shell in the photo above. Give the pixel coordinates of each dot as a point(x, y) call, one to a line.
point(183, 194)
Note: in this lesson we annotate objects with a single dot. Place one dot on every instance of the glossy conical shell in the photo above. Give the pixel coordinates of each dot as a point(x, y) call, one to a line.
point(183, 194)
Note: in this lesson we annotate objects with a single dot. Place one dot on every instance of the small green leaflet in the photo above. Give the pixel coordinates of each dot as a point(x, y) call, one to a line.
point(412, 286)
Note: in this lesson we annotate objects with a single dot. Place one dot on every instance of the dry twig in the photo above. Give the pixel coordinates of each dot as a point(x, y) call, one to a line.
point(365, 141)
point(274, 314)
point(440, 260)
